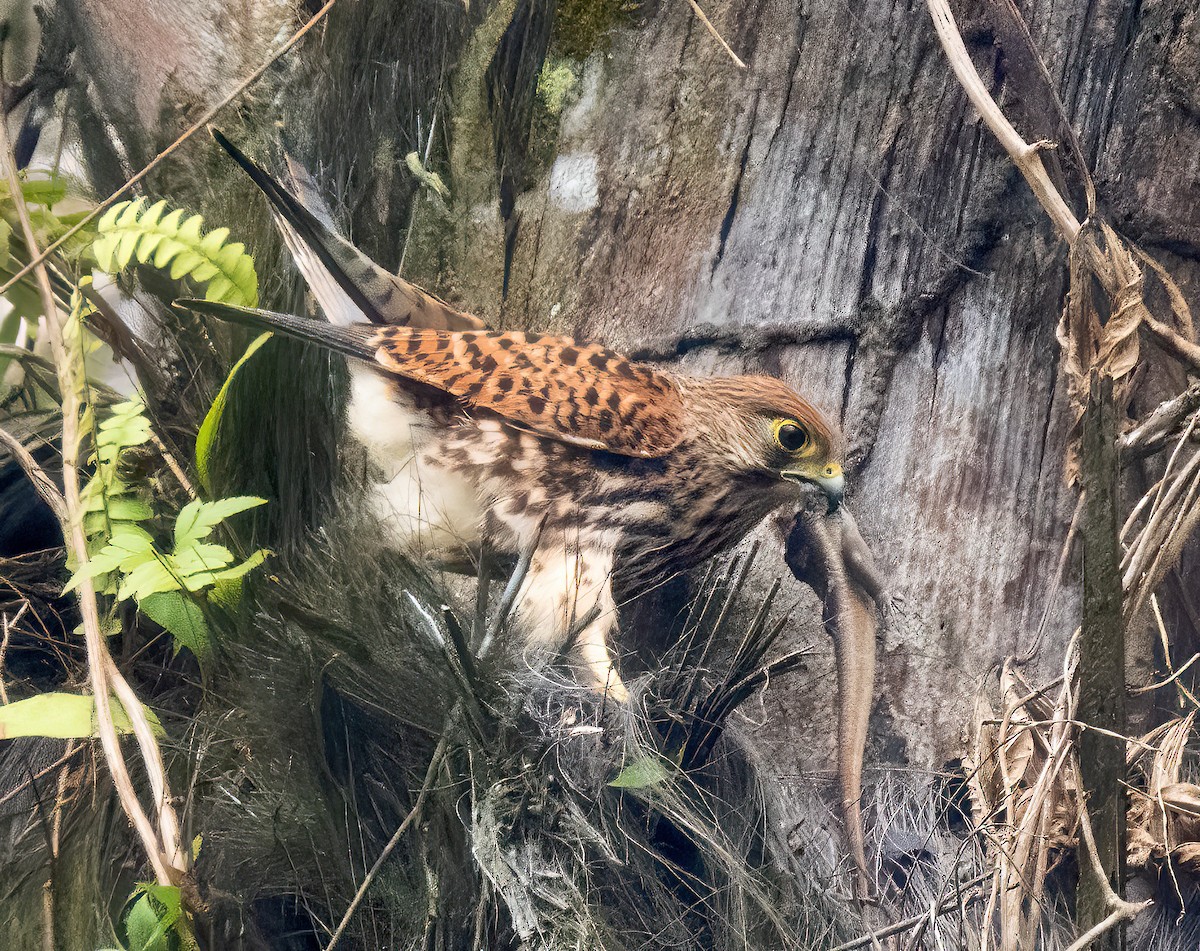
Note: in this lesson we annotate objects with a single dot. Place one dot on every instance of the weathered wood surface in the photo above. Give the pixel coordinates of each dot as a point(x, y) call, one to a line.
point(834, 214)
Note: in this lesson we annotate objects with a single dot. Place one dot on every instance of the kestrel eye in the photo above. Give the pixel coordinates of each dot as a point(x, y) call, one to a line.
point(791, 438)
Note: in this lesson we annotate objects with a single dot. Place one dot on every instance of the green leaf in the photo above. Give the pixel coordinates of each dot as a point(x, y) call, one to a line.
point(152, 916)
point(212, 419)
point(183, 618)
point(150, 577)
point(109, 219)
point(141, 926)
point(48, 191)
point(645, 771)
point(126, 248)
point(104, 248)
point(167, 249)
point(98, 491)
point(226, 592)
point(222, 288)
point(204, 271)
point(128, 508)
point(184, 264)
point(130, 232)
point(189, 234)
point(431, 180)
point(129, 547)
point(62, 716)
point(151, 218)
point(196, 557)
point(128, 214)
point(211, 245)
point(203, 579)
point(197, 519)
point(147, 246)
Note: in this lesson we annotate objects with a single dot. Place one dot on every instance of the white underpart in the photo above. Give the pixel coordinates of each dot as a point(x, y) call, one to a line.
point(424, 506)
point(428, 507)
point(563, 586)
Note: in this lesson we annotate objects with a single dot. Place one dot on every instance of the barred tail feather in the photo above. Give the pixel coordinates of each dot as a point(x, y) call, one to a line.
point(352, 341)
point(348, 285)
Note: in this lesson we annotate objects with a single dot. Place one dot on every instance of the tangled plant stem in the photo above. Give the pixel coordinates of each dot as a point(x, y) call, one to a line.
point(164, 848)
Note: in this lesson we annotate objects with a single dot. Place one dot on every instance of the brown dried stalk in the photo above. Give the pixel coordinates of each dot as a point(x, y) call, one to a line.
point(1119, 910)
point(1025, 155)
point(1031, 803)
point(1159, 544)
point(166, 854)
point(716, 35)
point(1156, 429)
point(1113, 264)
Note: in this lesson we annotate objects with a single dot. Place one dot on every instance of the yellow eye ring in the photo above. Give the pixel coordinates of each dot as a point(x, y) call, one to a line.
point(790, 436)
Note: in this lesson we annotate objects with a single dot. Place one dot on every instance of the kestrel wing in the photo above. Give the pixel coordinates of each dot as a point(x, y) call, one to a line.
point(578, 393)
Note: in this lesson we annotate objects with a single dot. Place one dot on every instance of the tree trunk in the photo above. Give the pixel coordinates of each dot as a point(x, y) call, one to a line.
point(834, 214)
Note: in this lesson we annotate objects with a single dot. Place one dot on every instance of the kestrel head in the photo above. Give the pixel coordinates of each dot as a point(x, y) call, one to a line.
point(761, 425)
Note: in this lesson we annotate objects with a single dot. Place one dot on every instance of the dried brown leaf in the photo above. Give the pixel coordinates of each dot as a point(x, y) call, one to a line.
point(1179, 304)
point(1119, 344)
point(1187, 856)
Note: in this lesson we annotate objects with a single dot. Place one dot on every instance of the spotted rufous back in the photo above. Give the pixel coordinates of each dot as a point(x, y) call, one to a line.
point(579, 393)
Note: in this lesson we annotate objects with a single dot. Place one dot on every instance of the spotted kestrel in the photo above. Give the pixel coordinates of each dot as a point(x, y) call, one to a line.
point(614, 470)
point(611, 470)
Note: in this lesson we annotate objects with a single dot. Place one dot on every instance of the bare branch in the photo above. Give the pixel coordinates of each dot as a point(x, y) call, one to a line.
point(434, 764)
point(1127, 913)
point(1173, 342)
point(948, 904)
point(1024, 154)
point(1156, 430)
point(37, 475)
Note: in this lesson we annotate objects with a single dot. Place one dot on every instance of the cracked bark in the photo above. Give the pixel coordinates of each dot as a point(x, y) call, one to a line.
point(833, 215)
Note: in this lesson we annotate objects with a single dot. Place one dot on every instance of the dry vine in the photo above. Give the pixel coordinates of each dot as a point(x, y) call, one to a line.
point(1025, 774)
point(164, 847)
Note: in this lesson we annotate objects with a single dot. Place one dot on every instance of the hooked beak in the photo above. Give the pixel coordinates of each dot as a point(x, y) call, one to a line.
point(829, 479)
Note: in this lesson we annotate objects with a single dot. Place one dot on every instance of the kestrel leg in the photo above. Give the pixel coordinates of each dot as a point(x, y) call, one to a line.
point(566, 586)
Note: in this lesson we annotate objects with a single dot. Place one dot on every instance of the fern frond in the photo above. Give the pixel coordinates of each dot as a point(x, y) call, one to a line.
point(129, 231)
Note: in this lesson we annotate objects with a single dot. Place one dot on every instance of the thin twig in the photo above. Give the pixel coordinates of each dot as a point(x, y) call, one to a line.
point(168, 823)
point(37, 475)
point(8, 628)
point(17, 790)
point(173, 465)
point(195, 127)
point(1173, 342)
point(14, 352)
point(1114, 918)
point(1120, 909)
point(1169, 680)
point(1154, 431)
point(60, 798)
point(717, 36)
point(426, 786)
point(1025, 155)
point(946, 905)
